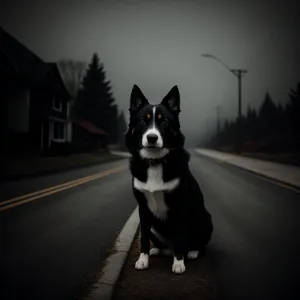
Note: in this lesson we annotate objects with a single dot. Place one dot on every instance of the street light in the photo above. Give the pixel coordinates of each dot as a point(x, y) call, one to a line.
point(214, 57)
point(238, 73)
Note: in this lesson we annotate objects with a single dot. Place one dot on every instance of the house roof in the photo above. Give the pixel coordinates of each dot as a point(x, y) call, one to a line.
point(90, 127)
point(54, 79)
point(29, 66)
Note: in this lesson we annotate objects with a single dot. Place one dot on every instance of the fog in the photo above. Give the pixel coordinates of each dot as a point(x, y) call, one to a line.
point(158, 44)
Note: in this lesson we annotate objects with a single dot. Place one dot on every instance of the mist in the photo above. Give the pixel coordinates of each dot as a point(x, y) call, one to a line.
point(158, 45)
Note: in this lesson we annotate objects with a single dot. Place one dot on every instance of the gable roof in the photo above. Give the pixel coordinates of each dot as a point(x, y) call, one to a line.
point(54, 80)
point(25, 62)
point(87, 125)
point(29, 66)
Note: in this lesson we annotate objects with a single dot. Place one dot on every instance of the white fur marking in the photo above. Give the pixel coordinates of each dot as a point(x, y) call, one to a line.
point(178, 266)
point(154, 251)
point(153, 153)
point(155, 181)
point(156, 203)
point(153, 190)
point(193, 254)
point(143, 262)
point(153, 130)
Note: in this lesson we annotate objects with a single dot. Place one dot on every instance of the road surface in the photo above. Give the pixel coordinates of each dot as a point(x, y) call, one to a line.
point(255, 249)
point(51, 245)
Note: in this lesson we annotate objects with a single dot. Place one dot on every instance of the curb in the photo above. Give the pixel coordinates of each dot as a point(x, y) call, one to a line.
point(283, 183)
point(104, 287)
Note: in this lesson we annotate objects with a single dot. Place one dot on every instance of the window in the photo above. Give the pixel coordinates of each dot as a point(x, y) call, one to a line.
point(57, 103)
point(59, 131)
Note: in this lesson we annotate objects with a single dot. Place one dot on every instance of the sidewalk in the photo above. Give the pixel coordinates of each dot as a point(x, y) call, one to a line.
point(286, 174)
point(158, 281)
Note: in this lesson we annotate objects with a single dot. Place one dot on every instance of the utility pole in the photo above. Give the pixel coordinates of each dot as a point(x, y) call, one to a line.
point(239, 74)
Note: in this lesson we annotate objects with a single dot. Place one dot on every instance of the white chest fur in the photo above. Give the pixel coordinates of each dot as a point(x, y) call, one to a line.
point(154, 189)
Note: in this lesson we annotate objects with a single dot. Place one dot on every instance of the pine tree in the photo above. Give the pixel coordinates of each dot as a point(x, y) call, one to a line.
point(122, 130)
point(251, 125)
point(95, 101)
point(293, 109)
point(268, 119)
point(292, 118)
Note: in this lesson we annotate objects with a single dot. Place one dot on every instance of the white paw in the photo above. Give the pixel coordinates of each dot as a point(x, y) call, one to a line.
point(193, 254)
point(143, 262)
point(154, 251)
point(178, 266)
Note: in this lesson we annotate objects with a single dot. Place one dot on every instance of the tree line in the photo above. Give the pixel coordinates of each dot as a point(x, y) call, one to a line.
point(273, 128)
point(93, 99)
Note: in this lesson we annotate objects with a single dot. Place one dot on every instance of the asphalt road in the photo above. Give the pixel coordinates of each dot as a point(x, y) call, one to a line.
point(49, 246)
point(255, 248)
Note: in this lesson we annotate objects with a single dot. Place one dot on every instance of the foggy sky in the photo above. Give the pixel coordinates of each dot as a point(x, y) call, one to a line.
point(157, 44)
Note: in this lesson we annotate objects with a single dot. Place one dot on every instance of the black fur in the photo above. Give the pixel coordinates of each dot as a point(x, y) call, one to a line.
point(188, 225)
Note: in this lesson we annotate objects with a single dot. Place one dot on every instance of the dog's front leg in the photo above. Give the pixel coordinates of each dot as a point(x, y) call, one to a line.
point(146, 223)
point(178, 266)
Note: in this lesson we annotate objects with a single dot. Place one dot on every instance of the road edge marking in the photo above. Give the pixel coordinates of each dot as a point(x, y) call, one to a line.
point(277, 182)
point(103, 289)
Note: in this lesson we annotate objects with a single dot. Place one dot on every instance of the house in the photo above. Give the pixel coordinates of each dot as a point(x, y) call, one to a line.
point(35, 101)
point(86, 137)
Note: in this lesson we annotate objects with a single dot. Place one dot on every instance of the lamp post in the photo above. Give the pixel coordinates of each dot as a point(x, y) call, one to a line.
point(238, 73)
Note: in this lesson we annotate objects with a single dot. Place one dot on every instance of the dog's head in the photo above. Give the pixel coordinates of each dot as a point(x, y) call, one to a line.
point(154, 130)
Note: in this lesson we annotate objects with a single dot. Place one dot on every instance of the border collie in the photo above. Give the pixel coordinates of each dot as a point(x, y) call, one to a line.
point(171, 206)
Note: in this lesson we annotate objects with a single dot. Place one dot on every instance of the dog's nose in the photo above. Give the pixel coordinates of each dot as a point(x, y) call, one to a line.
point(152, 138)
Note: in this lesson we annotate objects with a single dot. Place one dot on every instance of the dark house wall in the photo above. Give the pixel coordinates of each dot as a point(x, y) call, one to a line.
point(23, 74)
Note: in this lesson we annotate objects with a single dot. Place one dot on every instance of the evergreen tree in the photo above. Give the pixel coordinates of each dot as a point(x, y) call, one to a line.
point(275, 128)
point(292, 114)
point(122, 130)
point(95, 100)
point(268, 119)
point(293, 109)
point(251, 125)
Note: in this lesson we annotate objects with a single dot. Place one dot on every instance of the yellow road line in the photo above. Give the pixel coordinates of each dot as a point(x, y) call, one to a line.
point(42, 191)
point(58, 188)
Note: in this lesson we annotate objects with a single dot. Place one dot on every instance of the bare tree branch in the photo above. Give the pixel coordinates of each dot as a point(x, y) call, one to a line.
point(72, 73)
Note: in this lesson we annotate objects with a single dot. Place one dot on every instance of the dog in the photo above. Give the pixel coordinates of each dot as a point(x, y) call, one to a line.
point(170, 202)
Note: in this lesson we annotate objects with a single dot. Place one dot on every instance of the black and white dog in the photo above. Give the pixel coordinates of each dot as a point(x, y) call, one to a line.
point(171, 205)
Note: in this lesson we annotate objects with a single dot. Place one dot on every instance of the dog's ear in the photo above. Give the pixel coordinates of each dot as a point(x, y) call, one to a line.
point(172, 100)
point(137, 99)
